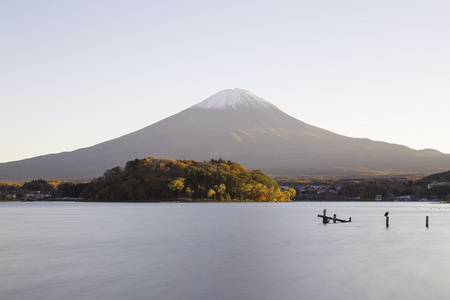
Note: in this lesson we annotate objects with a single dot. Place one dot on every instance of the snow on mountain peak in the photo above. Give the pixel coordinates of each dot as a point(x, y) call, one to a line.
point(234, 99)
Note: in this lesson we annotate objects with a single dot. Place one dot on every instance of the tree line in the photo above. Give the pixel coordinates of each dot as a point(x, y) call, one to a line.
point(368, 188)
point(54, 188)
point(153, 179)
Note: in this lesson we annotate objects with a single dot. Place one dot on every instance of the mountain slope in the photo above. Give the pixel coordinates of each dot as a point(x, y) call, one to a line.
point(240, 126)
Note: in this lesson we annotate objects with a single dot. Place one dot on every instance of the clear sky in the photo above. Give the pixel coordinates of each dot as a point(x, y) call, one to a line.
point(77, 73)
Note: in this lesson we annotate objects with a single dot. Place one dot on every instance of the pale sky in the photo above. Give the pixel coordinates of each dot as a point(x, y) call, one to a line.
point(77, 73)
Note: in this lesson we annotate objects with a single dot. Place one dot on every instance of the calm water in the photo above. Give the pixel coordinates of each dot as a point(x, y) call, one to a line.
point(223, 251)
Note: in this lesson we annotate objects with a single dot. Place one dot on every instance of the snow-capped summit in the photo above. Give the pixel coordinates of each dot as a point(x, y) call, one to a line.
point(232, 98)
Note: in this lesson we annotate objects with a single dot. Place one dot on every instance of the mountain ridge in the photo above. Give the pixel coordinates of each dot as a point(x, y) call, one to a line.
point(239, 126)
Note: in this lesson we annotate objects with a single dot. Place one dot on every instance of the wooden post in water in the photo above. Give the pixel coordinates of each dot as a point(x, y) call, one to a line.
point(387, 221)
point(326, 220)
point(426, 221)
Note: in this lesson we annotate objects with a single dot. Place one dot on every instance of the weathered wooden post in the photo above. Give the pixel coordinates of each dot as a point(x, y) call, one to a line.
point(387, 221)
point(326, 220)
point(426, 221)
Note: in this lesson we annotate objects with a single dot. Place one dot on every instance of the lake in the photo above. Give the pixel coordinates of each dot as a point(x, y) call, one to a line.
point(71, 250)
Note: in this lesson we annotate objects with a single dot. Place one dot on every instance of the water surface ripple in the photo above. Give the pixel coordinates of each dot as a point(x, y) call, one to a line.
point(68, 250)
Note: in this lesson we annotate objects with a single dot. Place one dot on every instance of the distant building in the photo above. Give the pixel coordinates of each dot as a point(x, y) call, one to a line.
point(10, 197)
point(37, 195)
point(353, 198)
point(403, 198)
point(436, 183)
point(378, 198)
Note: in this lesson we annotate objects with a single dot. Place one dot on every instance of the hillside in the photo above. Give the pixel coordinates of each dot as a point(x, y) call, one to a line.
point(440, 177)
point(156, 179)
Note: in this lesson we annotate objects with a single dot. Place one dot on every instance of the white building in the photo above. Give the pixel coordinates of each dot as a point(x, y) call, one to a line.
point(435, 183)
point(38, 195)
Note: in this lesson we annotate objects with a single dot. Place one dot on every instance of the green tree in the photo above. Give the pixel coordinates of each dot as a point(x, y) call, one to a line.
point(38, 185)
point(372, 189)
point(244, 191)
point(189, 192)
point(220, 190)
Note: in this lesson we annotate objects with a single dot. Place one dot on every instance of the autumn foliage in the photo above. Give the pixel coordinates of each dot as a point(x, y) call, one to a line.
point(153, 179)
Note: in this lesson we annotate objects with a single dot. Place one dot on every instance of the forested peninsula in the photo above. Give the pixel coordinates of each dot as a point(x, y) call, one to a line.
point(153, 179)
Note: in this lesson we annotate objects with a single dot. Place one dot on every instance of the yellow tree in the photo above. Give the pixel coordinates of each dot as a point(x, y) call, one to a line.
point(211, 194)
point(177, 185)
point(290, 194)
point(260, 192)
point(273, 194)
point(220, 189)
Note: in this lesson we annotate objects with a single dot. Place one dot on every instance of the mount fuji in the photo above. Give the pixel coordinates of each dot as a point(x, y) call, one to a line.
point(240, 126)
